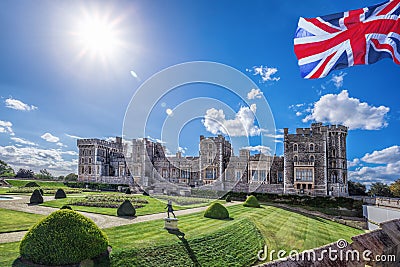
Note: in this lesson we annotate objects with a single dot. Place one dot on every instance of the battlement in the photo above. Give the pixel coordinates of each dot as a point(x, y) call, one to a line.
point(318, 128)
point(96, 141)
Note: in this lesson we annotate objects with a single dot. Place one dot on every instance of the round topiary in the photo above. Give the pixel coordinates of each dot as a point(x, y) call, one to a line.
point(252, 202)
point(36, 197)
point(64, 237)
point(31, 184)
point(126, 209)
point(216, 211)
point(128, 191)
point(60, 194)
point(66, 207)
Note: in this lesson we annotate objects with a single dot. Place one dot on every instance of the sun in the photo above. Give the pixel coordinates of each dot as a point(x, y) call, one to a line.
point(97, 35)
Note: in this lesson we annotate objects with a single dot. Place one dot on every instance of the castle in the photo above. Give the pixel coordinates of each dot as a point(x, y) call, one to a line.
point(314, 163)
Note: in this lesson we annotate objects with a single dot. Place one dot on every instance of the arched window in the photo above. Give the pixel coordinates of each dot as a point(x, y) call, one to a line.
point(311, 147)
point(312, 158)
point(295, 159)
point(295, 147)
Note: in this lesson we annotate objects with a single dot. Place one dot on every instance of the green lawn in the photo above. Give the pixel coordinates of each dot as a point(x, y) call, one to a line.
point(154, 206)
point(215, 242)
point(11, 220)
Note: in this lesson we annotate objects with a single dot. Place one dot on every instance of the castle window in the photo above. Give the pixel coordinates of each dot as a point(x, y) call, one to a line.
point(280, 177)
point(311, 147)
point(334, 177)
point(90, 160)
point(82, 160)
point(333, 153)
point(238, 175)
point(295, 147)
point(304, 174)
point(90, 170)
point(312, 158)
point(295, 159)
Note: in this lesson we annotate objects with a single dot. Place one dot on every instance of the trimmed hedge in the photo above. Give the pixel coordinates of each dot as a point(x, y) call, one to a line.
point(252, 202)
point(31, 184)
point(36, 197)
point(228, 198)
point(128, 191)
point(60, 194)
point(126, 209)
point(64, 237)
point(216, 211)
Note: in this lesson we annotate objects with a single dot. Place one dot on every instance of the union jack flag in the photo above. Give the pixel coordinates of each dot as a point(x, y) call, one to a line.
point(341, 40)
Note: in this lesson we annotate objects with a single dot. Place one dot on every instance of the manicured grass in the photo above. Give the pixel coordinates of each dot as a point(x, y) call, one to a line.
point(148, 242)
point(20, 183)
point(154, 206)
point(3, 190)
point(11, 220)
point(220, 248)
point(8, 253)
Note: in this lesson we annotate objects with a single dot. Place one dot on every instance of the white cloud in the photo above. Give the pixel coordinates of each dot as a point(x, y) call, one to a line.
point(60, 144)
point(265, 73)
point(18, 105)
point(298, 113)
point(242, 125)
point(384, 156)
point(338, 79)
point(342, 109)
point(262, 149)
point(73, 136)
point(254, 93)
point(384, 166)
point(23, 141)
point(50, 138)
point(6, 127)
point(37, 158)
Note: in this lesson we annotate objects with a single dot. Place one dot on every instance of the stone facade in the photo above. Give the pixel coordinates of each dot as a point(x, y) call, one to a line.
point(315, 160)
point(314, 163)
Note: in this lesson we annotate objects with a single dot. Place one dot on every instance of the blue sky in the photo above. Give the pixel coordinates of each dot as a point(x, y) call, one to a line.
point(56, 84)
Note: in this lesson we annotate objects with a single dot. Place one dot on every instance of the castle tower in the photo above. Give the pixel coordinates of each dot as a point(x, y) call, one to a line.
point(315, 160)
point(337, 161)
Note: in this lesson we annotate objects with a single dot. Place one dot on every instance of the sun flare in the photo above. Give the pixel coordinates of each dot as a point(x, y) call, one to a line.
point(97, 36)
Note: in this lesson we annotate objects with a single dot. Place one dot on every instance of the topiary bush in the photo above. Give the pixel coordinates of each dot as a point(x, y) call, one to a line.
point(252, 202)
point(126, 209)
point(216, 211)
point(60, 194)
point(128, 191)
point(64, 237)
point(228, 198)
point(66, 207)
point(31, 184)
point(36, 197)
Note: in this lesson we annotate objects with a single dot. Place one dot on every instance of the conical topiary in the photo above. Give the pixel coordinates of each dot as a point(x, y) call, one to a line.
point(216, 211)
point(126, 209)
point(65, 237)
point(60, 194)
point(252, 202)
point(36, 197)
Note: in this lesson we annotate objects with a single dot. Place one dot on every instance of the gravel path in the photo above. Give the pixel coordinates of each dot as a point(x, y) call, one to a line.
point(103, 221)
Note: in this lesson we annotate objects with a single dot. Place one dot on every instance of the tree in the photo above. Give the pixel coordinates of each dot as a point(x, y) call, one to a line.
point(395, 188)
point(44, 174)
point(5, 169)
point(71, 177)
point(380, 189)
point(357, 189)
point(24, 173)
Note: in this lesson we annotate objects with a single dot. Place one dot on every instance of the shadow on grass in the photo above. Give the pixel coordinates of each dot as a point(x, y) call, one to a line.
point(185, 243)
